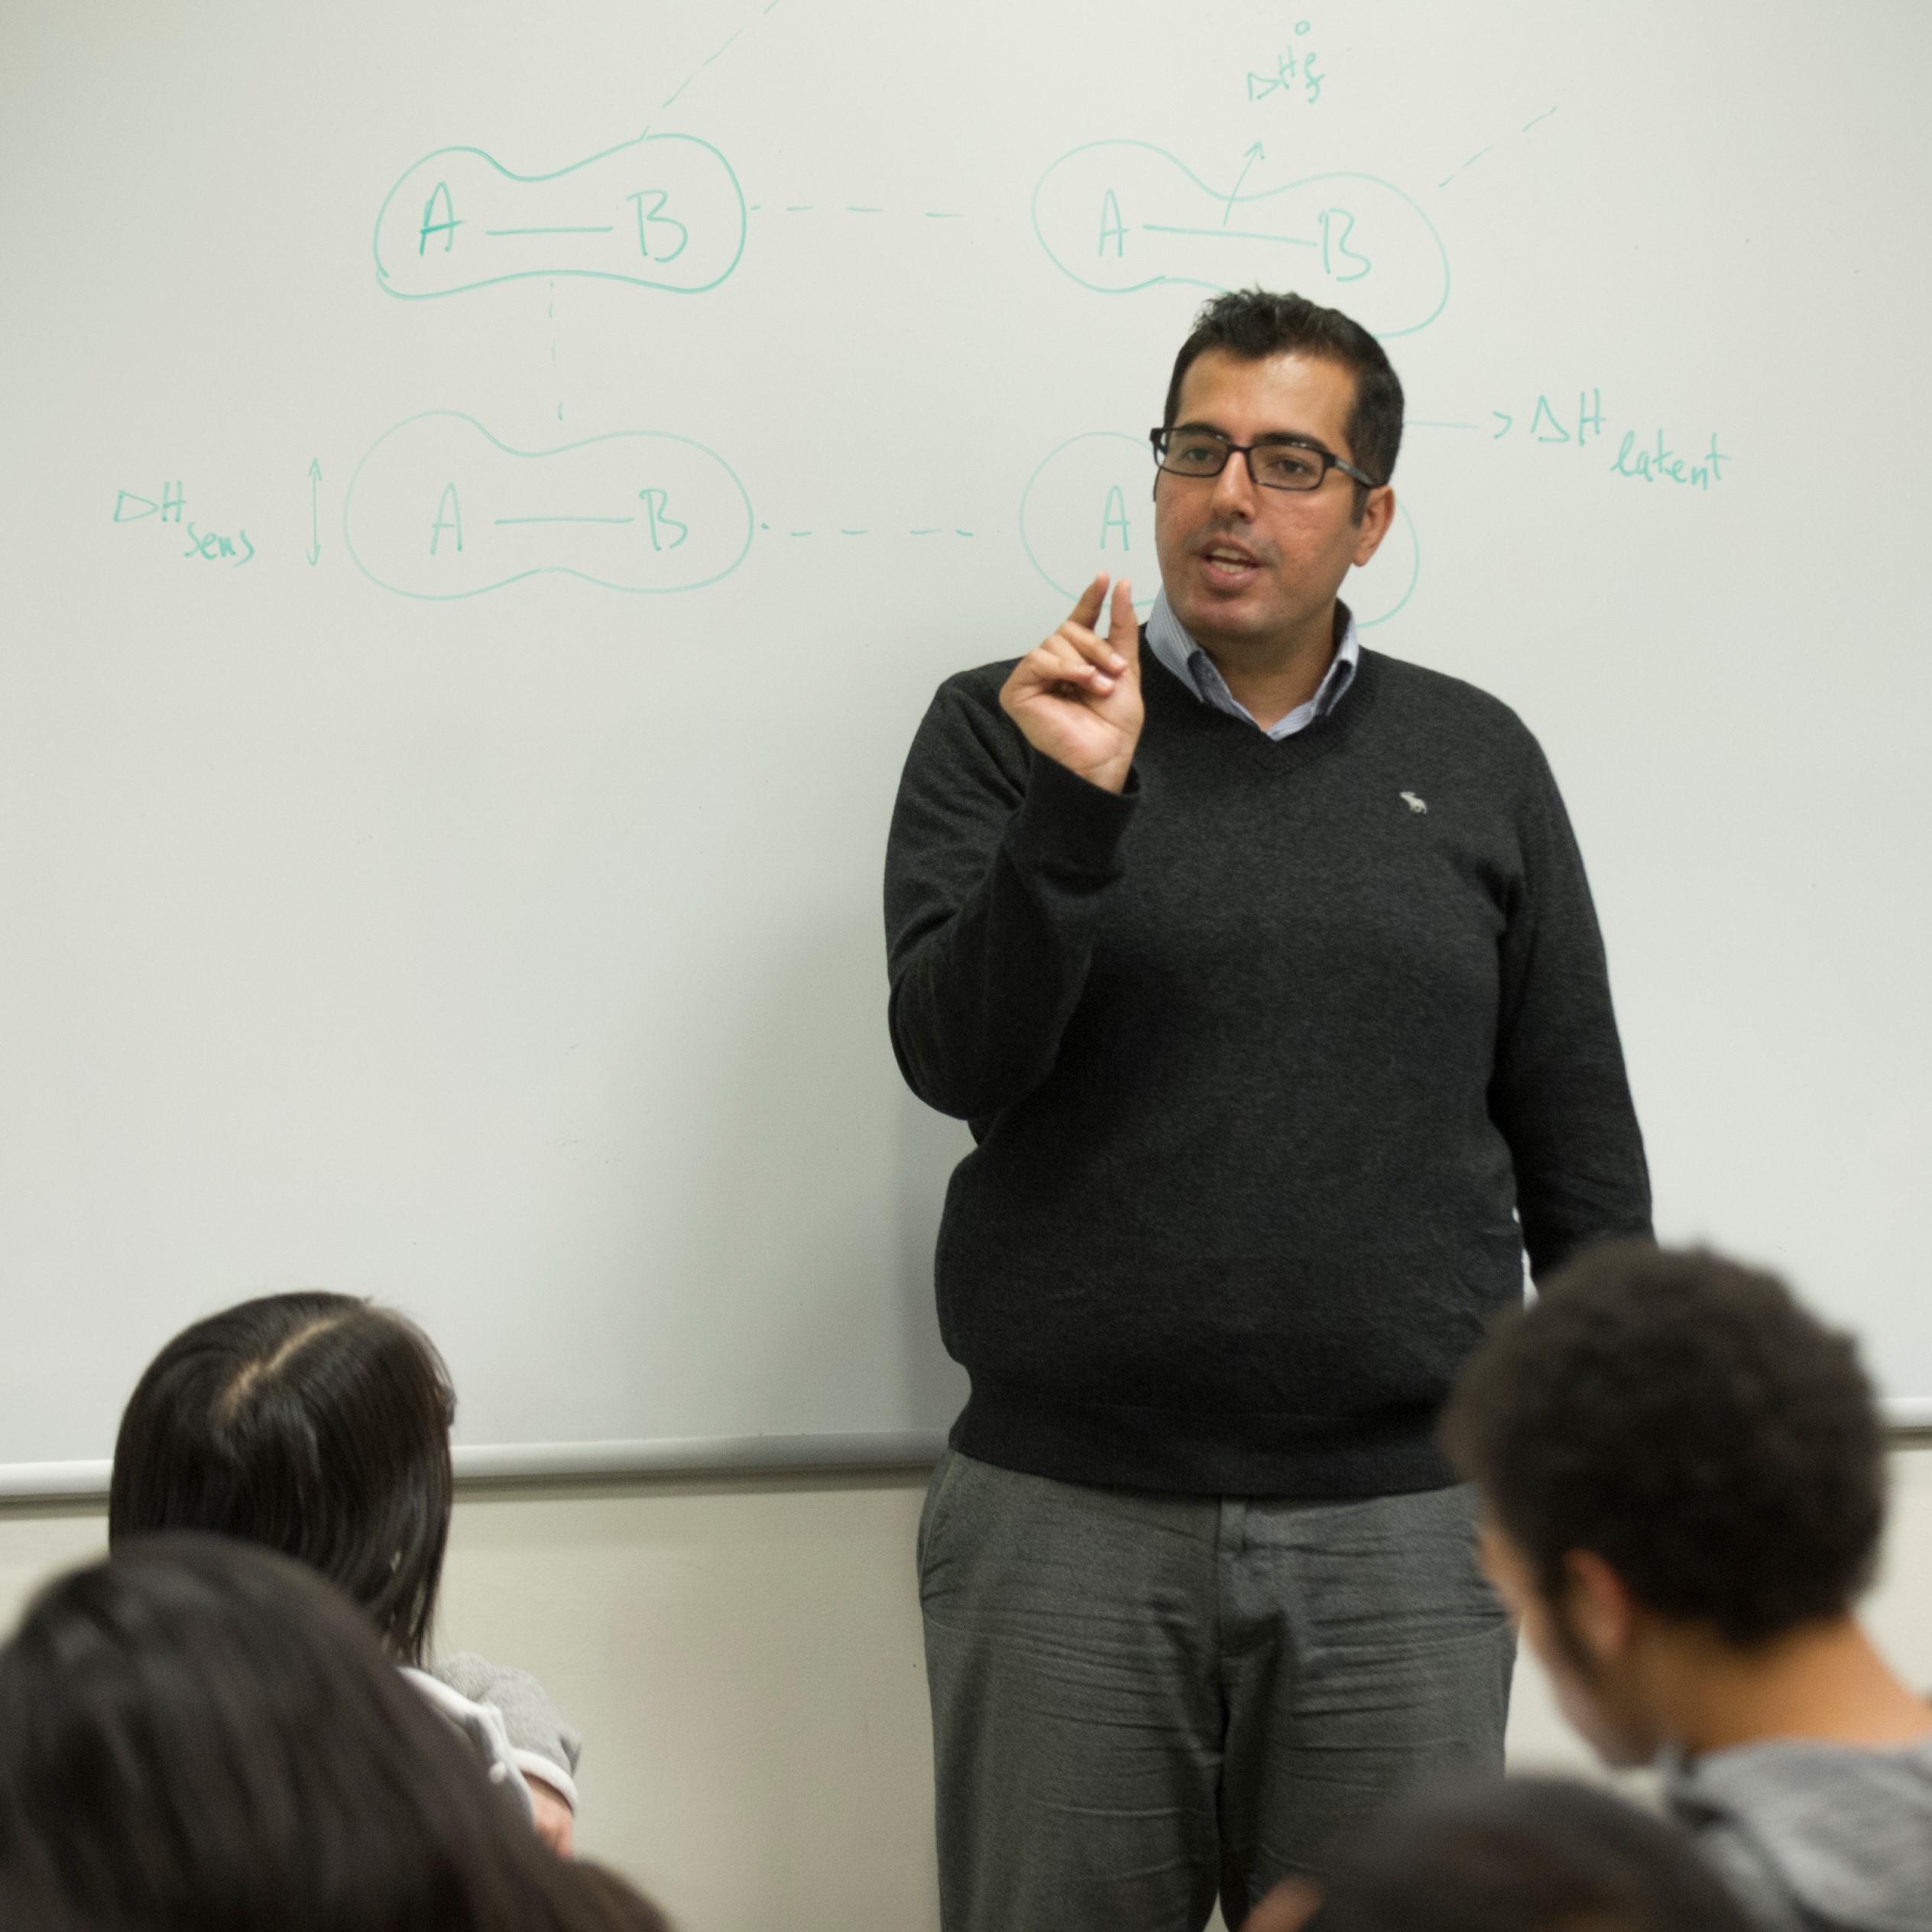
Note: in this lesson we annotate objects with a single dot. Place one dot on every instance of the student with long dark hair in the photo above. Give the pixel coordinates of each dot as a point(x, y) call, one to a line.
point(1523, 1855)
point(197, 1736)
point(318, 1425)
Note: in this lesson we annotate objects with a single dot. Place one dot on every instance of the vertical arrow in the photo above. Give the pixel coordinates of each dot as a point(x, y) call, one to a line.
point(315, 514)
point(1253, 154)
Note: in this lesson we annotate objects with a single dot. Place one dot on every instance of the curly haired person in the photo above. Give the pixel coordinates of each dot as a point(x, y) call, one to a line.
point(1681, 1475)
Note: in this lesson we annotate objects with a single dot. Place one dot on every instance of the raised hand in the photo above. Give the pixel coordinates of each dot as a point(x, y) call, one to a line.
point(1077, 697)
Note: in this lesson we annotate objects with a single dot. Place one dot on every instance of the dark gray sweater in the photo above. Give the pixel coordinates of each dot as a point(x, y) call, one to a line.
point(1260, 1057)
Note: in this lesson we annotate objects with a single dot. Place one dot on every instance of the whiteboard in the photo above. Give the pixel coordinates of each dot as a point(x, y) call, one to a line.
point(490, 491)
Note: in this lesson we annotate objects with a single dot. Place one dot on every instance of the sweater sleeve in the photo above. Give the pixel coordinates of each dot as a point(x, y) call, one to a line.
point(998, 862)
point(542, 1744)
point(1559, 1093)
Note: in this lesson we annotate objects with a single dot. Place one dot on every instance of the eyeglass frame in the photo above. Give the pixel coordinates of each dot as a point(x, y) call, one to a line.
point(1246, 452)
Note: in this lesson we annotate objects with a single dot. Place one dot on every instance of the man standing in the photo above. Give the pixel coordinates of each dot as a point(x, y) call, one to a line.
point(1267, 975)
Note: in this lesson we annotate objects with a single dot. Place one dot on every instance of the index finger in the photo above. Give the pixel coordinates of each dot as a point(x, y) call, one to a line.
point(1091, 598)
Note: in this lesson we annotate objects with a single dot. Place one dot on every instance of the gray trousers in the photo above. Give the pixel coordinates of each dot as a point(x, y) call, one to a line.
point(1141, 1700)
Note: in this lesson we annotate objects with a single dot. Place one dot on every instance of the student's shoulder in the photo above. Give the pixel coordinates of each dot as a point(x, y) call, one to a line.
point(530, 1717)
point(1806, 1831)
point(483, 1682)
point(473, 1677)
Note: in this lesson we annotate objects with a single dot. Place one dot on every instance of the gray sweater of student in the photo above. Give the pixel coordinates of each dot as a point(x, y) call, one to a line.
point(543, 1745)
point(1264, 1058)
point(1816, 1837)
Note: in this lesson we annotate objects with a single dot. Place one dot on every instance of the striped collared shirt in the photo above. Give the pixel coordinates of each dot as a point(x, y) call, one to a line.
point(1197, 671)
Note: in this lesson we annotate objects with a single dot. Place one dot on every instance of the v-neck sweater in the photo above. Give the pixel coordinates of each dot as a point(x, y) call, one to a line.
point(1275, 1062)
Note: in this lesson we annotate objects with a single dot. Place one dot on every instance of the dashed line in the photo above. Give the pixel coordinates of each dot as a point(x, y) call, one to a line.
point(1481, 152)
point(707, 61)
point(866, 208)
point(551, 315)
point(935, 530)
point(1470, 163)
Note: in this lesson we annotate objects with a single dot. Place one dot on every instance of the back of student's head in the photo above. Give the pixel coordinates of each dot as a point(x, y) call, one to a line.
point(1524, 1855)
point(314, 1423)
point(195, 1734)
point(1687, 1421)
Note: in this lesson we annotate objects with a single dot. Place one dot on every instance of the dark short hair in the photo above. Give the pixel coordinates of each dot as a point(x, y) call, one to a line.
point(1683, 1417)
point(195, 1733)
point(317, 1425)
point(1254, 323)
point(1523, 1855)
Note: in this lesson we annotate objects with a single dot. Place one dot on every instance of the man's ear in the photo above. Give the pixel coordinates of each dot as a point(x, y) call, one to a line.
point(1378, 512)
point(1599, 1612)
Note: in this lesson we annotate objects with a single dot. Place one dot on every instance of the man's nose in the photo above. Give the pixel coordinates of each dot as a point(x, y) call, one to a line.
point(1234, 488)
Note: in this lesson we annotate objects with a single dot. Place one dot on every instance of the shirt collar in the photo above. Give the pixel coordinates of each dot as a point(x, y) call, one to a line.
point(1197, 671)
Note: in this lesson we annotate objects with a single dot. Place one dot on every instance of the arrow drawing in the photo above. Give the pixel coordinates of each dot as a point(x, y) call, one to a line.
point(1253, 154)
point(315, 520)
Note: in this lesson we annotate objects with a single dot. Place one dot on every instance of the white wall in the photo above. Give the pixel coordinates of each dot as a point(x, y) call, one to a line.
point(743, 1657)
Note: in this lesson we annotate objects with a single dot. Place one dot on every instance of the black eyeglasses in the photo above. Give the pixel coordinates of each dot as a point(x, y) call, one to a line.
point(1283, 463)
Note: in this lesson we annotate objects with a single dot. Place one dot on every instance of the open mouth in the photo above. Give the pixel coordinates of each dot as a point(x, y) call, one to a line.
point(1228, 563)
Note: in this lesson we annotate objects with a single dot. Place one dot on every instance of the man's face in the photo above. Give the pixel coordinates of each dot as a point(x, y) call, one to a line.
point(1589, 1670)
point(1246, 565)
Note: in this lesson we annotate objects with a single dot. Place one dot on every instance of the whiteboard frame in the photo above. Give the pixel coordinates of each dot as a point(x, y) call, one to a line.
point(479, 1466)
